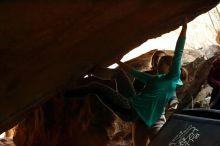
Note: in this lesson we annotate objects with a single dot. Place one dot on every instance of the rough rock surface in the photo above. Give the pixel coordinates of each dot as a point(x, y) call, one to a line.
point(71, 120)
point(66, 122)
point(46, 44)
point(198, 71)
point(6, 142)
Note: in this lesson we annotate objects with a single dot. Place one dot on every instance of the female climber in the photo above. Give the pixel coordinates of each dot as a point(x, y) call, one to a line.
point(143, 134)
point(149, 104)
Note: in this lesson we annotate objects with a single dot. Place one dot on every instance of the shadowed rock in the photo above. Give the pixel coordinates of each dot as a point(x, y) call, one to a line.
point(66, 122)
point(44, 45)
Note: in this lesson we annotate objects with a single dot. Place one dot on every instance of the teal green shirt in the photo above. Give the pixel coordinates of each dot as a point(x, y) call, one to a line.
point(150, 103)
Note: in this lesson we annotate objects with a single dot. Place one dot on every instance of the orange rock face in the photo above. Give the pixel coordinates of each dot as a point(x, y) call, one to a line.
point(66, 122)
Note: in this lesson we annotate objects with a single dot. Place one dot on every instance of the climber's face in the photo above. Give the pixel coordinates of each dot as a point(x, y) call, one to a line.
point(164, 64)
point(164, 68)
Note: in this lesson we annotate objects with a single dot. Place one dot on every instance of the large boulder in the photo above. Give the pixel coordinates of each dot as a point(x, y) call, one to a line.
point(44, 45)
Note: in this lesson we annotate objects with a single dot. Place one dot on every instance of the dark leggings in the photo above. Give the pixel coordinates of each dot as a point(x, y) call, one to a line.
point(215, 98)
point(117, 102)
